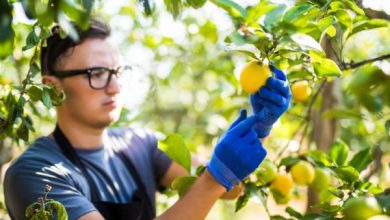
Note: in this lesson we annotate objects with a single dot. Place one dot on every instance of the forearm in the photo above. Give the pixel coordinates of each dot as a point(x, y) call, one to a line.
point(198, 201)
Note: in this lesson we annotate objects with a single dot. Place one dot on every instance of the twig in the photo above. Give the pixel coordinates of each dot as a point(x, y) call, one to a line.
point(29, 73)
point(352, 65)
point(377, 163)
point(306, 120)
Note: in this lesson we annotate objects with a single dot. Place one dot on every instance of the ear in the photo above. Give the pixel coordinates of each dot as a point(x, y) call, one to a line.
point(47, 79)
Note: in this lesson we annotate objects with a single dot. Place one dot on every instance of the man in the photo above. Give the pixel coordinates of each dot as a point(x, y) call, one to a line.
point(101, 173)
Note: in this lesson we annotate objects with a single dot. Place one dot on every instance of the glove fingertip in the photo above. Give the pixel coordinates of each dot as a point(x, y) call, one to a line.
point(243, 113)
point(278, 73)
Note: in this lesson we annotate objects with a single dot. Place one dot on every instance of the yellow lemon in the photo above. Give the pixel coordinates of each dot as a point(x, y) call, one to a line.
point(282, 183)
point(303, 173)
point(300, 90)
point(253, 76)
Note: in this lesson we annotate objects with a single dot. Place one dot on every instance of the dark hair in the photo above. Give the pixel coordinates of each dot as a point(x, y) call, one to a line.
point(56, 46)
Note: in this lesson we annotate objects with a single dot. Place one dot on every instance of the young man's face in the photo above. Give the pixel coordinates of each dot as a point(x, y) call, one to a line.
point(96, 108)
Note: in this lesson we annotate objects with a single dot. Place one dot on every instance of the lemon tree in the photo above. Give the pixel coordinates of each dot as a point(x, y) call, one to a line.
point(193, 87)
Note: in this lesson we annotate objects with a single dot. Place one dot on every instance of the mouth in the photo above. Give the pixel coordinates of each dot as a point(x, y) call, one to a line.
point(111, 103)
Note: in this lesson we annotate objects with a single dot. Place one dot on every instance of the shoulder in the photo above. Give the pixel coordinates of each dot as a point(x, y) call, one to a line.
point(43, 160)
point(42, 153)
point(43, 163)
point(134, 136)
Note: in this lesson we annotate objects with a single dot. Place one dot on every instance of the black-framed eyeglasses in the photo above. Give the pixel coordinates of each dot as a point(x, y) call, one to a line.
point(99, 77)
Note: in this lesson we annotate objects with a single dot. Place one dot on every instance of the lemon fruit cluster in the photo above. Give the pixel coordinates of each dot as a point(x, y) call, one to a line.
point(301, 173)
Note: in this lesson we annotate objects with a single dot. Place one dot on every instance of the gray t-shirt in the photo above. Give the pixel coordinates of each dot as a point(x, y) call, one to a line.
point(43, 163)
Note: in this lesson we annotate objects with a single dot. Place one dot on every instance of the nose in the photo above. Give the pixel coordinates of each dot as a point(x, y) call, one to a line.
point(114, 86)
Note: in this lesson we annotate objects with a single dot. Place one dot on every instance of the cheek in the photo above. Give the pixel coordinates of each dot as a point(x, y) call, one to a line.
point(80, 99)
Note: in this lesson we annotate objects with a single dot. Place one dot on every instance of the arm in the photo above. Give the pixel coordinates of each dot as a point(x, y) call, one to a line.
point(198, 201)
point(176, 171)
point(238, 154)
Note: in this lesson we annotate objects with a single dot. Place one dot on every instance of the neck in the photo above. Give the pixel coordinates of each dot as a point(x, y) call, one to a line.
point(81, 136)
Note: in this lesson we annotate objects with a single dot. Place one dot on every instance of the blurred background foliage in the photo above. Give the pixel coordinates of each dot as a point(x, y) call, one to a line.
point(185, 81)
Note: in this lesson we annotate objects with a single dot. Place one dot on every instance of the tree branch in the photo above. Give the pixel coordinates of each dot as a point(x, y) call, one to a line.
point(371, 13)
point(352, 65)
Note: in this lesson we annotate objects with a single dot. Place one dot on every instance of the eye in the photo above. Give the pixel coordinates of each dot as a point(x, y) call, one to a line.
point(99, 73)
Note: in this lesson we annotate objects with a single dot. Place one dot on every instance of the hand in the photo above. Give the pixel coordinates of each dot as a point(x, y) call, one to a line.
point(270, 102)
point(238, 153)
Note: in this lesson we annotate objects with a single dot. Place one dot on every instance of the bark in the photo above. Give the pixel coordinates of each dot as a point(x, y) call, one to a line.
point(324, 131)
point(371, 13)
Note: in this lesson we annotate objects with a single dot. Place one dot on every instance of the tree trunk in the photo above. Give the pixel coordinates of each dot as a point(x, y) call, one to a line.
point(324, 131)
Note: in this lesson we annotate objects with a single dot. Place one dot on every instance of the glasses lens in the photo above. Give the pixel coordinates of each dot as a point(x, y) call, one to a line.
point(124, 74)
point(99, 78)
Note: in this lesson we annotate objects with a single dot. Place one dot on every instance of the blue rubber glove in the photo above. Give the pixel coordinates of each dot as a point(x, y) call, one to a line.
point(270, 102)
point(238, 153)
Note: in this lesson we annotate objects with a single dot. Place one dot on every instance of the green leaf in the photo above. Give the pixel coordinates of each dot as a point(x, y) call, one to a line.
point(352, 5)
point(366, 186)
point(60, 209)
point(317, 216)
point(248, 49)
point(234, 9)
point(175, 148)
point(56, 99)
point(260, 9)
point(174, 7)
point(34, 69)
point(383, 200)
point(46, 99)
point(306, 42)
point(361, 159)
point(293, 213)
point(35, 93)
point(199, 170)
point(347, 173)
point(336, 192)
point(367, 25)
point(319, 157)
point(278, 217)
point(344, 18)
point(289, 161)
point(196, 3)
point(7, 33)
point(21, 103)
point(326, 206)
point(331, 31)
point(342, 113)
point(325, 22)
point(241, 202)
point(22, 132)
point(182, 184)
point(30, 209)
point(296, 12)
point(339, 152)
point(274, 16)
point(387, 126)
point(146, 6)
point(32, 40)
point(27, 121)
point(326, 67)
point(76, 12)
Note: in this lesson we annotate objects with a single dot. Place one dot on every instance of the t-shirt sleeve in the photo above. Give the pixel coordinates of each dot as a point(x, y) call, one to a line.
point(25, 182)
